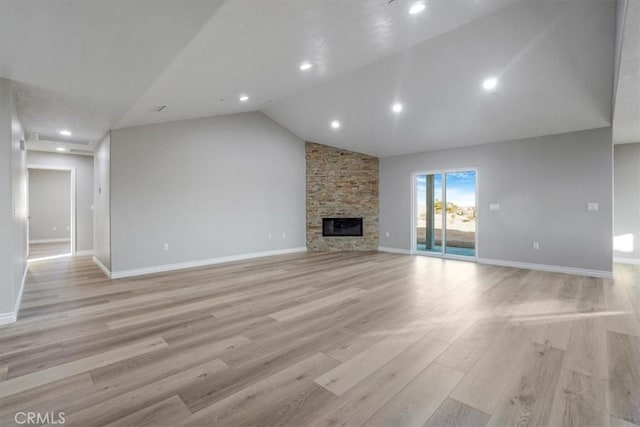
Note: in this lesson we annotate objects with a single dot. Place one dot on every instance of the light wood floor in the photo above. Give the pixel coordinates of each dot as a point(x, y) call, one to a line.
point(325, 339)
point(45, 250)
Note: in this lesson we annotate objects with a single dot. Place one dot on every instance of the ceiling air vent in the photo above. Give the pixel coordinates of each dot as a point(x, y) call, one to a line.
point(58, 140)
point(81, 152)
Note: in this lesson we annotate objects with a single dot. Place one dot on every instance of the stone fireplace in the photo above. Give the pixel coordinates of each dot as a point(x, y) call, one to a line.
point(341, 185)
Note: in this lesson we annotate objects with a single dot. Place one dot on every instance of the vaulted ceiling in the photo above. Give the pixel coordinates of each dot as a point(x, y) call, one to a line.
point(89, 66)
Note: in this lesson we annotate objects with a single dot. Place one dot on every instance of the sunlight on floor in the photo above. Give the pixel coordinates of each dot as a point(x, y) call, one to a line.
point(623, 243)
point(49, 257)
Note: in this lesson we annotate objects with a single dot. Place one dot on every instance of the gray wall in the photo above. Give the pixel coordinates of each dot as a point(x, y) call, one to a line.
point(208, 187)
point(626, 166)
point(102, 202)
point(49, 205)
point(13, 203)
point(543, 186)
point(83, 166)
point(621, 9)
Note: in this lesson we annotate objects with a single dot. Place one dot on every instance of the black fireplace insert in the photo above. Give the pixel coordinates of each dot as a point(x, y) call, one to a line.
point(336, 227)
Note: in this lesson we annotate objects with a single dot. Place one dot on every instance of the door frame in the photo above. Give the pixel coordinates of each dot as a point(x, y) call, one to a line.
point(72, 189)
point(414, 235)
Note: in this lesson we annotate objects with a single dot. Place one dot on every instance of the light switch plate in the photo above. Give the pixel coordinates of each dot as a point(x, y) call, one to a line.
point(592, 207)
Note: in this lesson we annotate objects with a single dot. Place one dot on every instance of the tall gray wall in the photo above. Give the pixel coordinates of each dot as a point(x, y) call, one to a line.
point(542, 185)
point(102, 202)
point(49, 205)
point(83, 166)
point(211, 187)
point(13, 205)
point(621, 9)
point(626, 222)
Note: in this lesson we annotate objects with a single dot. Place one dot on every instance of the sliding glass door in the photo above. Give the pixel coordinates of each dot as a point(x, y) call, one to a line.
point(446, 213)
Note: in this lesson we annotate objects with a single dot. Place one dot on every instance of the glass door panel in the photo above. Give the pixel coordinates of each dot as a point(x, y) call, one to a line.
point(429, 213)
point(460, 228)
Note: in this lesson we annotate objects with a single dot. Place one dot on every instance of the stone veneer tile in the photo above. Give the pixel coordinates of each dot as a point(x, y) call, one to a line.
point(341, 183)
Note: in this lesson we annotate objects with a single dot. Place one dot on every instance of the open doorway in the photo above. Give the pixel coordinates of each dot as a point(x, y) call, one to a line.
point(51, 212)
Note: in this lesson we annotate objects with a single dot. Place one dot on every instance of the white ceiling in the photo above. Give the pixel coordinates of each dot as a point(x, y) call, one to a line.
point(626, 116)
point(94, 65)
point(255, 47)
point(553, 60)
point(80, 64)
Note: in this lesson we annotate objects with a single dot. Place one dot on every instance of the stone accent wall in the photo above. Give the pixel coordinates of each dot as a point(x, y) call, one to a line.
point(341, 183)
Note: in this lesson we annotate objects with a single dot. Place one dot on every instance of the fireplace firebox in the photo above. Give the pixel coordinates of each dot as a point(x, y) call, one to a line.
point(341, 227)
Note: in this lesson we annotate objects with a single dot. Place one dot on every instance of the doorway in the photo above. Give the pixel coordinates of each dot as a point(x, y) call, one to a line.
point(51, 210)
point(445, 218)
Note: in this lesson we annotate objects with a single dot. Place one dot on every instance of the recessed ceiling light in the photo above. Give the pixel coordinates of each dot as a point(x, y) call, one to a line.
point(417, 8)
point(61, 149)
point(335, 124)
point(397, 107)
point(65, 132)
point(490, 83)
point(244, 98)
point(306, 66)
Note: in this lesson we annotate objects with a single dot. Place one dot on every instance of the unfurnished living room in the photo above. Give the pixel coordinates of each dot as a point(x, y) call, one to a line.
point(320, 213)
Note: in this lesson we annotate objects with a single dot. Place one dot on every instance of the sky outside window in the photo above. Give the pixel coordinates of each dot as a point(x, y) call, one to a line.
point(461, 188)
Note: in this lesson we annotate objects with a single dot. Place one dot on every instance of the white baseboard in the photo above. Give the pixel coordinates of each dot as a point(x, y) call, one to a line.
point(529, 266)
point(623, 260)
point(550, 268)
point(88, 252)
point(200, 263)
point(24, 279)
point(104, 269)
point(6, 318)
point(394, 250)
point(50, 240)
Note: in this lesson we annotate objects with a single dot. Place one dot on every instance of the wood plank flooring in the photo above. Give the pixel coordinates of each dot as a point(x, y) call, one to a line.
point(324, 339)
point(52, 249)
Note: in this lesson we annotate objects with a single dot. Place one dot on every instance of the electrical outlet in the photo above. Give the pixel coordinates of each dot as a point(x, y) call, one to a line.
point(55, 228)
point(386, 234)
point(494, 206)
point(284, 235)
point(536, 245)
point(270, 236)
point(592, 207)
point(165, 246)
